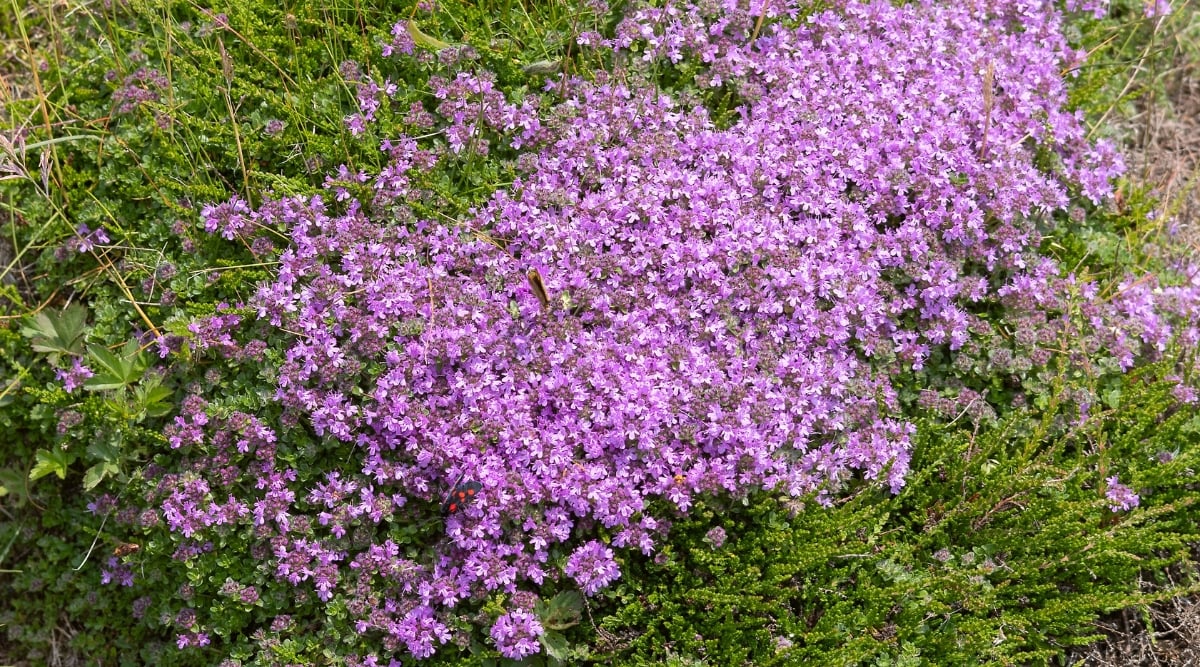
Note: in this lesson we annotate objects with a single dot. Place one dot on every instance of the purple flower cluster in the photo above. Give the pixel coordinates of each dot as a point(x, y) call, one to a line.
point(1099, 8)
point(593, 567)
point(215, 331)
point(715, 537)
point(1137, 321)
point(470, 103)
point(1120, 497)
point(227, 451)
point(232, 218)
point(306, 559)
point(115, 570)
point(85, 239)
point(1156, 8)
point(401, 43)
point(196, 639)
point(664, 304)
point(245, 594)
point(516, 634)
point(190, 506)
point(144, 85)
point(370, 97)
point(68, 419)
point(73, 377)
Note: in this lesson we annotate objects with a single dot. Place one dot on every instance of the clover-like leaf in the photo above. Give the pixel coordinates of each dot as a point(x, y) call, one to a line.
point(57, 334)
point(115, 371)
point(562, 611)
point(151, 399)
point(98, 473)
point(53, 461)
point(556, 645)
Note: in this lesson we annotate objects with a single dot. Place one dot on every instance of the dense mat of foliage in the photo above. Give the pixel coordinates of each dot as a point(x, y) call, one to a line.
point(1000, 550)
point(769, 334)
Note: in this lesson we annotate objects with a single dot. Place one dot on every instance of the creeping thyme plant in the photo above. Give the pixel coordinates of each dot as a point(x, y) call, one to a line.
point(747, 253)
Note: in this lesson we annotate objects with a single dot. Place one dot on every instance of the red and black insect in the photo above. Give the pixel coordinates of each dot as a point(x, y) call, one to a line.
point(461, 496)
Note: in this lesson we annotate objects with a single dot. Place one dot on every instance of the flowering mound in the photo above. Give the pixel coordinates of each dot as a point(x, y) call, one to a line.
point(666, 303)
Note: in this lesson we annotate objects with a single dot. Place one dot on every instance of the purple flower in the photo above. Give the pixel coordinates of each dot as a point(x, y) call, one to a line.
point(249, 595)
point(74, 377)
point(115, 570)
point(1120, 496)
point(185, 618)
point(140, 606)
point(419, 631)
point(1156, 8)
point(662, 305)
point(356, 123)
point(592, 566)
point(68, 419)
point(715, 537)
point(231, 219)
point(141, 87)
point(516, 634)
point(197, 639)
point(402, 42)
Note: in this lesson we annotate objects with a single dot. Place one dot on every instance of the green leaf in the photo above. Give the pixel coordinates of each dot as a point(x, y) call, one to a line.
point(98, 473)
point(152, 399)
point(116, 371)
point(13, 482)
point(425, 41)
point(556, 645)
point(57, 334)
point(105, 450)
point(563, 611)
point(54, 461)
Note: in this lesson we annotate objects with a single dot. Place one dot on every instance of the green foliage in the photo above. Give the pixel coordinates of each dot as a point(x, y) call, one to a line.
point(255, 100)
point(139, 174)
point(57, 335)
point(126, 395)
point(559, 613)
point(1001, 550)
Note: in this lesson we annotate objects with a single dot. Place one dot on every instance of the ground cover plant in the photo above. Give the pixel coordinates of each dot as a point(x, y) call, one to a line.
point(632, 333)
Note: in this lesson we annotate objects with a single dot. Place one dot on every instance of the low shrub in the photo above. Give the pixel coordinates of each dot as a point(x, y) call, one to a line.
point(529, 341)
point(1002, 549)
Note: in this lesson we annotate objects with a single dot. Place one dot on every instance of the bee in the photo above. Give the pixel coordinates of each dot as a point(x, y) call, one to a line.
point(538, 287)
point(126, 549)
